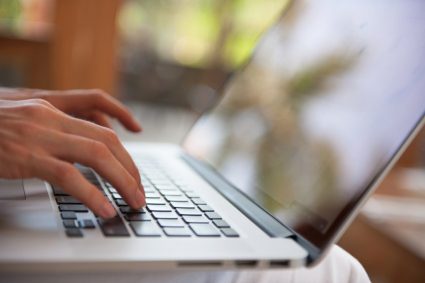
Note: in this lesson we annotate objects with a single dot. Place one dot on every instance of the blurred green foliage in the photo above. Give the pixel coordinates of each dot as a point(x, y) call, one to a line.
point(10, 11)
point(198, 33)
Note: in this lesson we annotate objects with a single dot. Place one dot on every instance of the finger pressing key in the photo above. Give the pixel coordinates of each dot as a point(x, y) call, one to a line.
point(96, 155)
point(107, 137)
point(67, 177)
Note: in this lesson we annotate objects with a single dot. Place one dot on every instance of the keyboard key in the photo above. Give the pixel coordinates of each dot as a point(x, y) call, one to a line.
point(182, 186)
point(74, 233)
point(182, 205)
point(152, 195)
point(86, 223)
point(204, 230)
point(73, 207)
point(113, 190)
point(154, 175)
point(146, 184)
point(68, 215)
point(144, 179)
point(198, 201)
point(164, 215)
point(158, 182)
point(192, 194)
point(195, 219)
point(95, 183)
point(69, 223)
point(138, 217)
point(129, 210)
point(116, 196)
point(177, 232)
point(155, 201)
point(148, 189)
point(229, 232)
point(154, 207)
point(58, 191)
point(171, 193)
point(176, 198)
point(170, 223)
point(67, 200)
point(166, 187)
point(120, 202)
point(153, 172)
point(220, 223)
point(212, 215)
point(205, 208)
point(113, 227)
point(188, 211)
point(161, 183)
point(145, 229)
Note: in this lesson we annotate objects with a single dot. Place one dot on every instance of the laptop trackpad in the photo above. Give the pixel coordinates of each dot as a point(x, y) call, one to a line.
point(12, 189)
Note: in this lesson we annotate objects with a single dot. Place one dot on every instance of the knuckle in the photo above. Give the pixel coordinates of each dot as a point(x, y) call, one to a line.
point(37, 108)
point(98, 93)
point(111, 137)
point(99, 150)
point(41, 102)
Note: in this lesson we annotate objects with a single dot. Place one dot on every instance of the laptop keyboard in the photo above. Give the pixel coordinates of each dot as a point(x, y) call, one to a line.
point(172, 209)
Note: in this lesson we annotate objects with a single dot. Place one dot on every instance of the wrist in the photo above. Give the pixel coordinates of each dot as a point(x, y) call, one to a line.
point(18, 93)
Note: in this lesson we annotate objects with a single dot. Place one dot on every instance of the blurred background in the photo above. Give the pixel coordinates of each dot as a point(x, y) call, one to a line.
point(157, 51)
point(167, 61)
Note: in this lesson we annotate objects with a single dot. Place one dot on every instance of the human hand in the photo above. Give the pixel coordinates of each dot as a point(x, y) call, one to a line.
point(38, 140)
point(90, 104)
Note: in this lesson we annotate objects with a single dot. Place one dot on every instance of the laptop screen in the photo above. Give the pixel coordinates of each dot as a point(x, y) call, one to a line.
point(331, 92)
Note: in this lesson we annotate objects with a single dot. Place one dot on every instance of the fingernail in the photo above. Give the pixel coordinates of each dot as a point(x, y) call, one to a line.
point(138, 127)
point(108, 211)
point(140, 198)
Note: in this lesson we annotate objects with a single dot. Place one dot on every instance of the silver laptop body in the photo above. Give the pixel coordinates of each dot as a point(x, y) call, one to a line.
point(272, 175)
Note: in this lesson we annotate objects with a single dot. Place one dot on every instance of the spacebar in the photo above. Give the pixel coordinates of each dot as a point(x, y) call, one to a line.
point(113, 227)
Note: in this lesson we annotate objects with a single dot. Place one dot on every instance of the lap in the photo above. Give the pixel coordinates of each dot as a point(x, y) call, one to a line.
point(337, 266)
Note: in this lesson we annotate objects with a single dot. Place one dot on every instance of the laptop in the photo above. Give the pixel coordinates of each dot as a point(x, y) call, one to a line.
point(271, 176)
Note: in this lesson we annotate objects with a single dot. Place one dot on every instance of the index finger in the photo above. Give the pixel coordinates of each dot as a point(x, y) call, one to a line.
point(107, 104)
point(108, 137)
point(85, 100)
point(68, 178)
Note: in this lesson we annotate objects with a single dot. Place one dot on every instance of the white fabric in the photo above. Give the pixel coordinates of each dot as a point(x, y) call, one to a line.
point(337, 267)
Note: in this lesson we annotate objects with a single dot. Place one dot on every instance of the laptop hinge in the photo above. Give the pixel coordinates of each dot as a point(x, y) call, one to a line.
point(313, 251)
point(242, 202)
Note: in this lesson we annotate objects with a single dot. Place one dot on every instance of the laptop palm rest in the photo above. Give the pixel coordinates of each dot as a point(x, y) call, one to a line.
point(26, 208)
point(12, 189)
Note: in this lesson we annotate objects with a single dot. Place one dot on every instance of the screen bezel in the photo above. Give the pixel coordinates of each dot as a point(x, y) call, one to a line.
point(351, 209)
